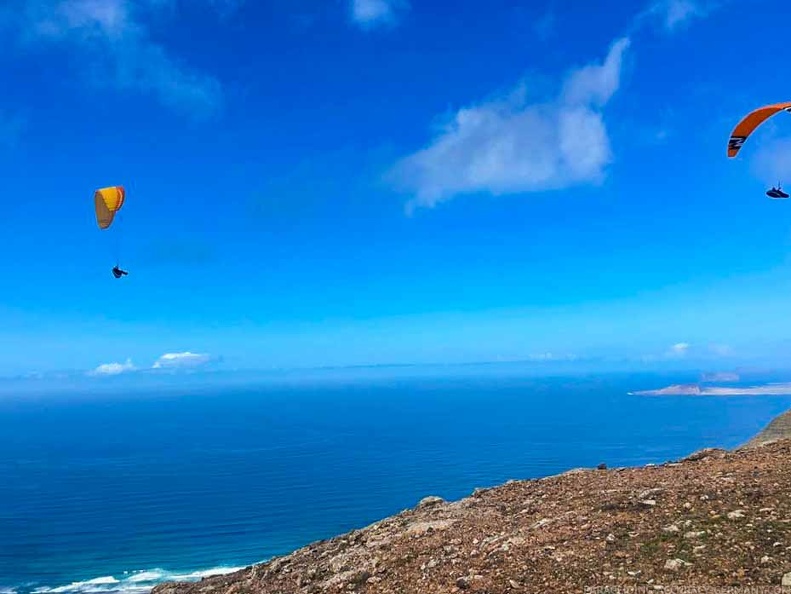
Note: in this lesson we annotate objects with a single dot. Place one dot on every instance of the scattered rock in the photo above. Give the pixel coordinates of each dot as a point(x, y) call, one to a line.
point(650, 493)
point(430, 501)
point(676, 564)
point(701, 454)
point(695, 534)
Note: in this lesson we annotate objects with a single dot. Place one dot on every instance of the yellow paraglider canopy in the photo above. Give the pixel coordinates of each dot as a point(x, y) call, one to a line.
point(750, 122)
point(108, 201)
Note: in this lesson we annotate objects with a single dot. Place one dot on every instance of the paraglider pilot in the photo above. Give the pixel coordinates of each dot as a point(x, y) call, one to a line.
point(118, 273)
point(776, 192)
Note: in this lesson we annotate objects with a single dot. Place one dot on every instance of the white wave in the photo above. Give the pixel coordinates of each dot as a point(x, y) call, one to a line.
point(197, 575)
point(7, 591)
point(132, 582)
point(153, 575)
point(100, 584)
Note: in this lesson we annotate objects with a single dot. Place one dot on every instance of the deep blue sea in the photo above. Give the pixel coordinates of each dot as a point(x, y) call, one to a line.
point(111, 492)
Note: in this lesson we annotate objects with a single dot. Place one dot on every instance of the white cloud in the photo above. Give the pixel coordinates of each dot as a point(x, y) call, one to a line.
point(368, 14)
point(510, 145)
point(674, 14)
point(680, 348)
point(181, 360)
point(113, 368)
point(114, 46)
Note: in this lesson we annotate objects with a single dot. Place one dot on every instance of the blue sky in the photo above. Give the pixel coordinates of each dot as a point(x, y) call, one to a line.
point(317, 183)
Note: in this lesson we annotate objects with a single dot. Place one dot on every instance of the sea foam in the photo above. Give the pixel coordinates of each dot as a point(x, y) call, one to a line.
point(131, 582)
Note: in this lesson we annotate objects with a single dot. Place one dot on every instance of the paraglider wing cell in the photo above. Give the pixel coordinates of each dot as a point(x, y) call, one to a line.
point(750, 122)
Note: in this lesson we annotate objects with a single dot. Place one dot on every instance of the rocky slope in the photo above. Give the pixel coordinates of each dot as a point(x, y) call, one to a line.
point(715, 518)
point(779, 428)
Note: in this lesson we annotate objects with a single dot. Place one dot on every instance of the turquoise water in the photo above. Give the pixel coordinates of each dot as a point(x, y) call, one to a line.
point(116, 492)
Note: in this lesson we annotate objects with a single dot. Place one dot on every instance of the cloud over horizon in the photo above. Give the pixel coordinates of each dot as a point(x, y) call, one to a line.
point(115, 46)
point(168, 361)
point(182, 360)
point(511, 145)
point(682, 350)
point(113, 368)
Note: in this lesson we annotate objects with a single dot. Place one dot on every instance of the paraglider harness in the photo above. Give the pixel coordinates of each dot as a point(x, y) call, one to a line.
point(118, 273)
point(776, 192)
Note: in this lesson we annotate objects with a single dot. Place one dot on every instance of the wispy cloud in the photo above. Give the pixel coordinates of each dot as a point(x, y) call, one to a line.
point(115, 47)
point(181, 360)
point(113, 368)
point(511, 145)
point(691, 352)
point(169, 361)
point(674, 15)
point(370, 14)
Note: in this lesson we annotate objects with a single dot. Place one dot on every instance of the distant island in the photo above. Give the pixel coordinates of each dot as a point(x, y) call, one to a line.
point(674, 390)
point(775, 389)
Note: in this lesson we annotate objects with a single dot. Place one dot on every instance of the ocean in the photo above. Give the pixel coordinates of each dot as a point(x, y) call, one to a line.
point(115, 491)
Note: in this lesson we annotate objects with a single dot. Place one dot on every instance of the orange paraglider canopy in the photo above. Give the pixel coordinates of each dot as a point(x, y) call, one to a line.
point(107, 202)
point(750, 122)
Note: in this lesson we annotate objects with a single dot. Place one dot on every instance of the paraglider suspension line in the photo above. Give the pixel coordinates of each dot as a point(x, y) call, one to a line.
point(119, 229)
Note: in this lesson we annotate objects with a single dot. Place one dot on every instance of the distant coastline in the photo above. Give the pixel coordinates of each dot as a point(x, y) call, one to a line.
point(774, 389)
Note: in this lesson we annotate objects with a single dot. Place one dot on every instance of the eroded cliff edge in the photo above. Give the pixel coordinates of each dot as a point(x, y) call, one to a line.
point(717, 518)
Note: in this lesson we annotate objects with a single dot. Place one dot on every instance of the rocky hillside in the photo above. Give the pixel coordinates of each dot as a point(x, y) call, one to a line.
point(779, 428)
point(716, 518)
